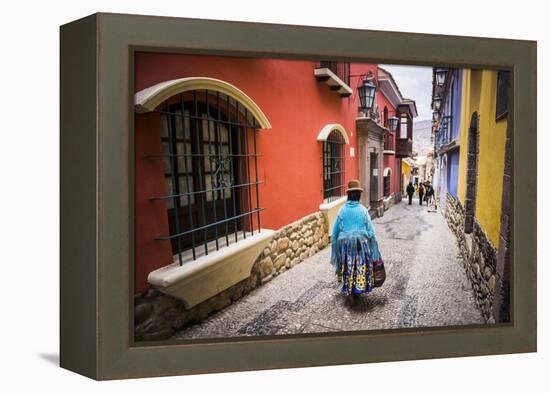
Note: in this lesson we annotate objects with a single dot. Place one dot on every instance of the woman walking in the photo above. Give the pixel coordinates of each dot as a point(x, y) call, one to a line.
point(429, 194)
point(355, 253)
point(421, 190)
point(410, 192)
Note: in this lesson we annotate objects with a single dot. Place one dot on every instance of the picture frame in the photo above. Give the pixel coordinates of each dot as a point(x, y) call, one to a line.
point(96, 263)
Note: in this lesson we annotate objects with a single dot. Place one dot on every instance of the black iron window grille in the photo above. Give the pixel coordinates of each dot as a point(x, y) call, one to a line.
point(333, 166)
point(446, 129)
point(437, 139)
point(387, 183)
point(388, 141)
point(211, 172)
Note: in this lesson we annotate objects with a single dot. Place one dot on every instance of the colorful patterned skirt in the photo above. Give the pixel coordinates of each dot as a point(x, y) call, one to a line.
point(358, 263)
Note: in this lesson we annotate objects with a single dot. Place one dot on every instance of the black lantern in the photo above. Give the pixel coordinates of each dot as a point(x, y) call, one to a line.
point(440, 74)
point(437, 102)
point(393, 121)
point(436, 116)
point(366, 94)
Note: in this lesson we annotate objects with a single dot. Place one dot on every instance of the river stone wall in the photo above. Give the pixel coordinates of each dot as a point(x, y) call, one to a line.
point(478, 255)
point(158, 316)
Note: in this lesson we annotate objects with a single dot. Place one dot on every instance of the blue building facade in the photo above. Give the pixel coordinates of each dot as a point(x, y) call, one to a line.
point(447, 133)
point(452, 172)
point(455, 93)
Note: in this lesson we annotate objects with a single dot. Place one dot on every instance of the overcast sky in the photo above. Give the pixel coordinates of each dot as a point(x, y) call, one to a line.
point(416, 83)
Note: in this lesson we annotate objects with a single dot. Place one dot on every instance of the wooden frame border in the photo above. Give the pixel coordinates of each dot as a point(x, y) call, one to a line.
point(96, 144)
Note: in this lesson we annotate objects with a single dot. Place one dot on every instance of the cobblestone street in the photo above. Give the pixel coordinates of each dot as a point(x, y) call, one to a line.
point(425, 286)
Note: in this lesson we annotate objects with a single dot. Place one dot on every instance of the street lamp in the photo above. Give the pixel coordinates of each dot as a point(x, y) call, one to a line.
point(437, 102)
point(436, 116)
point(366, 94)
point(393, 123)
point(440, 74)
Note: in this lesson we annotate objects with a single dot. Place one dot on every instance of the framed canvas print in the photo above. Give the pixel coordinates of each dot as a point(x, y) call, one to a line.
point(241, 196)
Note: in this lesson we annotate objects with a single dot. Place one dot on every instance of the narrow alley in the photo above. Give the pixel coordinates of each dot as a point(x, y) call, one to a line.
point(425, 286)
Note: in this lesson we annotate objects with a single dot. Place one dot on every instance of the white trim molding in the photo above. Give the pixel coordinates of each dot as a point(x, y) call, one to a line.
point(389, 88)
point(148, 99)
point(327, 129)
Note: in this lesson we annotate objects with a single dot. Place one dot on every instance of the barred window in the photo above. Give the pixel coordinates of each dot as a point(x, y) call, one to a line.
point(210, 171)
point(403, 127)
point(387, 182)
point(503, 84)
point(333, 166)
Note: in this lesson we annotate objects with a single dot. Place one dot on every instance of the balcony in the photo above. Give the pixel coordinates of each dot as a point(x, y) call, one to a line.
point(336, 75)
point(444, 138)
point(389, 145)
point(403, 147)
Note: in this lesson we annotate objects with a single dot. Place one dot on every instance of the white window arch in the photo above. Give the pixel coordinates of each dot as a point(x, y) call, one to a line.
point(148, 99)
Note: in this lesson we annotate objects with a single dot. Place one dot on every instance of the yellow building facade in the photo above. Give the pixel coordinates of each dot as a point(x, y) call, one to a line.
point(405, 173)
point(479, 96)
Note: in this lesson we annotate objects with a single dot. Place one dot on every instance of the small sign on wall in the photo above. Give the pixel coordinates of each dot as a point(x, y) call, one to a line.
point(352, 152)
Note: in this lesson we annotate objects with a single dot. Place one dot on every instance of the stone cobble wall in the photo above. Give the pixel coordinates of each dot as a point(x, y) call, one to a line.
point(397, 197)
point(158, 316)
point(479, 257)
point(292, 244)
point(389, 202)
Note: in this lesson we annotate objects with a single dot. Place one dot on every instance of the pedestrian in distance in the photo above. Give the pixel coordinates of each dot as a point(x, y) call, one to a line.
point(433, 206)
point(429, 194)
point(410, 192)
point(421, 190)
point(355, 253)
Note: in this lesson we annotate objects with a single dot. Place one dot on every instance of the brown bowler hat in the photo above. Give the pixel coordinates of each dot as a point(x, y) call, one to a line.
point(354, 185)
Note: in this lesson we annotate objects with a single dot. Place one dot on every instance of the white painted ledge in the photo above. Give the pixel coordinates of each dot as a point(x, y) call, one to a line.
point(199, 280)
point(331, 209)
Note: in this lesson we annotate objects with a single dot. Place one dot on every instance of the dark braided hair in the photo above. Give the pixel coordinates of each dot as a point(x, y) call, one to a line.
point(354, 196)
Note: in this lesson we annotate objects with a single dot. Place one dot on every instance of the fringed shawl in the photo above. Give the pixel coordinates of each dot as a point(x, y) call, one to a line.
point(354, 244)
point(353, 233)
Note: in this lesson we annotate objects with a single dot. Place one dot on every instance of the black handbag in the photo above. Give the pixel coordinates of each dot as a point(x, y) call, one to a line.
point(379, 273)
point(378, 270)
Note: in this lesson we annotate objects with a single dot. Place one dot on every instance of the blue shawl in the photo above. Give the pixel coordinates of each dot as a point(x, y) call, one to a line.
point(353, 233)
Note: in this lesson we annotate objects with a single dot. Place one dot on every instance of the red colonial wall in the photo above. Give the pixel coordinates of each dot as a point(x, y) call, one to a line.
point(389, 159)
point(150, 254)
point(297, 107)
